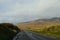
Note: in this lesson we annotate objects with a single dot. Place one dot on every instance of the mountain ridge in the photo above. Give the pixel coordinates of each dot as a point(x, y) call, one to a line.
point(39, 23)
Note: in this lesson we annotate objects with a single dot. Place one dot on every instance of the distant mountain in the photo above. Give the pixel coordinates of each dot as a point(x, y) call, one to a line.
point(49, 27)
point(40, 23)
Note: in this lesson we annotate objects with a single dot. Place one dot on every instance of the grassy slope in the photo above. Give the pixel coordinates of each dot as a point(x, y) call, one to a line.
point(49, 30)
point(53, 31)
point(42, 26)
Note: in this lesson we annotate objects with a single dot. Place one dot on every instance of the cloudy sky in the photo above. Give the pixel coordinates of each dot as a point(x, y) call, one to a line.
point(26, 10)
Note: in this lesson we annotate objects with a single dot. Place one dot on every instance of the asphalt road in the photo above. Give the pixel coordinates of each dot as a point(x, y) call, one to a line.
point(27, 35)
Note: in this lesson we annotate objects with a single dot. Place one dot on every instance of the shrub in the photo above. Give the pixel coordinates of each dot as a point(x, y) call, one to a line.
point(8, 31)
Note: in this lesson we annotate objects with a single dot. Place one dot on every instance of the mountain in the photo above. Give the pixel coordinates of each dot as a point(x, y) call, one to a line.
point(49, 27)
point(39, 24)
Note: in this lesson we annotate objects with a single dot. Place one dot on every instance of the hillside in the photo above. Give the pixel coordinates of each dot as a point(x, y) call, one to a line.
point(39, 24)
point(53, 31)
point(50, 27)
point(8, 31)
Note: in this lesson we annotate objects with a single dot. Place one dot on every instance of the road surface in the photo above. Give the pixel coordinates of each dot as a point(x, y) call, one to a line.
point(27, 35)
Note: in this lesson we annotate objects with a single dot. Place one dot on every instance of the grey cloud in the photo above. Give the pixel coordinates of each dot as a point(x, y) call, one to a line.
point(24, 10)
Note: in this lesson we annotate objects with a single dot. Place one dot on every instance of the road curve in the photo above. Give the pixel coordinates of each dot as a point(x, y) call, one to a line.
point(27, 35)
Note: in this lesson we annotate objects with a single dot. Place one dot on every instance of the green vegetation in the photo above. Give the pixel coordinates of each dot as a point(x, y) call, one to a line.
point(53, 31)
point(8, 31)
